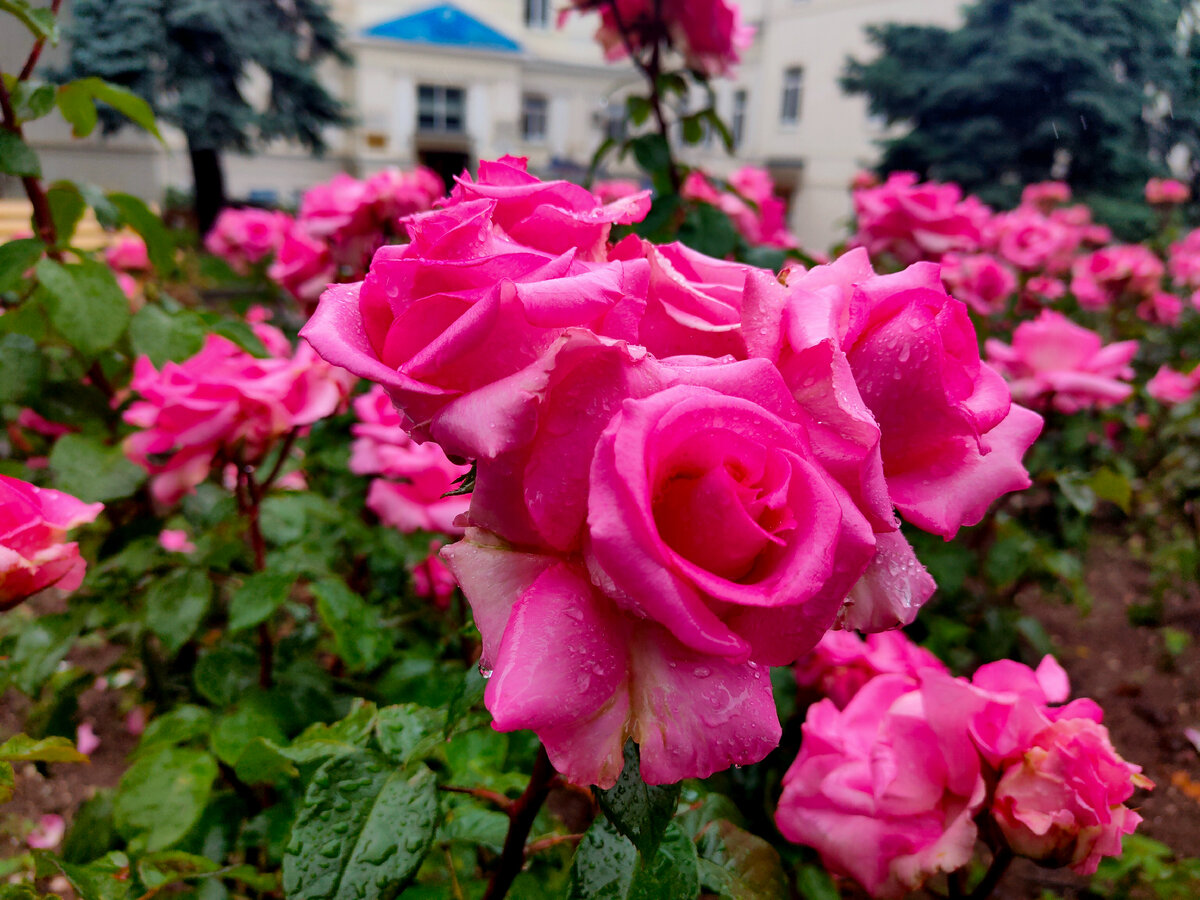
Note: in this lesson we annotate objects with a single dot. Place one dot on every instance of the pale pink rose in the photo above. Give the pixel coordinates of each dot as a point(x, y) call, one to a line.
point(693, 303)
point(886, 790)
point(1104, 276)
point(303, 266)
point(1171, 387)
point(1034, 242)
point(395, 194)
point(1062, 803)
point(1053, 360)
point(912, 221)
point(462, 306)
point(128, 254)
point(951, 440)
point(1161, 308)
point(34, 554)
point(550, 216)
point(609, 190)
point(129, 287)
point(86, 740)
point(709, 34)
point(175, 540)
point(135, 721)
point(1167, 192)
point(843, 662)
point(1045, 195)
point(980, 280)
point(410, 495)
point(48, 833)
point(243, 237)
point(1183, 260)
point(225, 405)
point(567, 662)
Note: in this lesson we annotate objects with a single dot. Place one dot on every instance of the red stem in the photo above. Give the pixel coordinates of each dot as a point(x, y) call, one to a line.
point(521, 814)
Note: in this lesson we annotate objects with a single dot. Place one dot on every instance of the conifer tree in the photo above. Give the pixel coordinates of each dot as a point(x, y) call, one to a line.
point(202, 64)
point(1095, 91)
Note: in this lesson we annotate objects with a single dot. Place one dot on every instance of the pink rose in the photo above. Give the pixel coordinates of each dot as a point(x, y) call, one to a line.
point(1103, 277)
point(410, 495)
point(1167, 192)
point(27, 418)
point(243, 237)
point(86, 741)
point(338, 210)
point(1054, 360)
point(1044, 288)
point(1033, 241)
point(885, 790)
point(128, 254)
point(223, 402)
point(175, 540)
point(303, 266)
point(951, 441)
point(1171, 387)
point(33, 553)
point(757, 213)
point(843, 662)
point(708, 33)
point(609, 190)
point(1062, 803)
point(432, 579)
point(567, 662)
point(1045, 195)
point(1161, 308)
point(912, 221)
point(48, 833)
point(979, 280)
point(693, 303)
point(462, 306)
point(549, 216)
point(1183, 261)
point(394, 194)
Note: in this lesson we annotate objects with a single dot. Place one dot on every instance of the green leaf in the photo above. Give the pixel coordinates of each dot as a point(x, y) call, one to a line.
point(176, 605)
point(672, 875)
point(738, 865)
point(708, 230)
point(39, 20)
point(258, 597)
point(22, 368)
point(362, 831)
point(362, 641)
point(693, 129)
point(608, 867)
point(92, 832)
point(92, 471)
point(638, 810)
point(165, 336)
point(138, 216)
point(241, 334)
point(161, 796)
point(31, 99)
point(234, 731)
point(106, 878)
point(653, 154)
point(7, 781)
point(263, 762)
point(67, 207)
point(1112, 486)
point(85, 303)
point(123, 101)
point(1078, 492)
point(17, 157)
point(814, 883)
point(223, 673)
point(22, 748)
point(40, 647)
point(349, 735)
point(638, 109)
point(408, 732)
point(106, 213)
point(17, 258)
point(160, 869)
point(77, 107)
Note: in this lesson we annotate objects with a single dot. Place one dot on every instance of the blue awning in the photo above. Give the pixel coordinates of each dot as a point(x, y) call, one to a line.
point(444, 25)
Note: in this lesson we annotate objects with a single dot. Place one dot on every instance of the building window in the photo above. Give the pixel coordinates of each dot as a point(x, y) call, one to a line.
point(441, 108)
point(793, 88)
point(533, 117)
point(737, 122)
point(537, 13)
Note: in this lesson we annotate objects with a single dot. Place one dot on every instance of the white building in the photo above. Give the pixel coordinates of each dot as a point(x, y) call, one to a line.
point(447, 84)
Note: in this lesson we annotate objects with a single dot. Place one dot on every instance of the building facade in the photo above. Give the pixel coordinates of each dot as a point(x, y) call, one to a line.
point(447, 84)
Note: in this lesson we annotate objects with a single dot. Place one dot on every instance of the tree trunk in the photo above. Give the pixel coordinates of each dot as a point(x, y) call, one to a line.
point(209, 182)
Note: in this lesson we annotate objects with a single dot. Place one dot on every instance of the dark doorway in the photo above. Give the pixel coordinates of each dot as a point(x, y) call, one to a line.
point(447, 163)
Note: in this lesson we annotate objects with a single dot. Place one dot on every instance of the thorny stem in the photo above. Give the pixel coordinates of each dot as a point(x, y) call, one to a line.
point(651, 69)
point(521, 814)
point(553, 841)
point(42, 218)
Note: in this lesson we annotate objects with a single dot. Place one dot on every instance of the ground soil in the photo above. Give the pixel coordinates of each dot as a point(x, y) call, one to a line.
point(1149, 697)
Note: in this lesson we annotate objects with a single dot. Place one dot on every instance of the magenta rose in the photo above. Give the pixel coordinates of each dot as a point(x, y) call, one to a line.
point(550, 216)
point(128, 253)
point(1054, 361)
point(843, 662)
point(34, 552)
point(1105, 276)
point(394, 194)
point(1170, 387)
point(243, 237)
point(1167, 192)
point(1045, 195)
point(337, 210)
point(980, 280)
point(885, 790)
point(1062, 803)
point(911, 221)
point(1161, 308)
point(303, 266)
point(1033, 241)
point(1183, 260)
point(568, 663)
point(462, 306)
